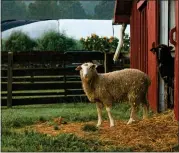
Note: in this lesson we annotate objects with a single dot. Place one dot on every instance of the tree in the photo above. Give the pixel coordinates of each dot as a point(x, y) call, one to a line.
point(89, 6)
point(104, 10)
point(13, 10)
point(56, 10)
point(72, 10)
point(54, 41)
point(44, 10)
point(19, 41)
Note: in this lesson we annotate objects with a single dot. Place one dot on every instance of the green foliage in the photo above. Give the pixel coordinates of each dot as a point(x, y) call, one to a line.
point(126, 46)
point(54, 41)
point(56, 10)
point(72, 10)
point(13, 9)
point(89, 6)
point(38, 10)
point(19, 41)
point(3, 45)
point(94, 42)
point(104, 10)
point(49, 41)
point(76, 9)
point(89, 127)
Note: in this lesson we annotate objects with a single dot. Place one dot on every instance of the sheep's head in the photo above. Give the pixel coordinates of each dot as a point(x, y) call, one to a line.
point(161, 46)
point(87, 70)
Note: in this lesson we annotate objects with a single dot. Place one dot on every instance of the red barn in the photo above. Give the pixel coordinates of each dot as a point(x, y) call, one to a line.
point(152, 22)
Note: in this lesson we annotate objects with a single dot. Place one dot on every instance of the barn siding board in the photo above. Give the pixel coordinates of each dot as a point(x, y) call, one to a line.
point(176, 88)
point(152, 15)
point(135, 22)
point(138, 39)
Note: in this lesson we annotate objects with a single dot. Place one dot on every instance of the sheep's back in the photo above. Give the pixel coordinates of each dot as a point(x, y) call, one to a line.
point(119, 83)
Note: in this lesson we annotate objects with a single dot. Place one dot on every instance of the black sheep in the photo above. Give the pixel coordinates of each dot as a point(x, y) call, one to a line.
point(166, 68)
point(165, 62)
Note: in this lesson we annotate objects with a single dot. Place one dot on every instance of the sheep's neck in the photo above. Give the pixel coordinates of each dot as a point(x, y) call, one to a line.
point(89, 86)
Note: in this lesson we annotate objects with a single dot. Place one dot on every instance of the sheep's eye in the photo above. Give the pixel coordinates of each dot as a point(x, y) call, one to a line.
point(92, 67)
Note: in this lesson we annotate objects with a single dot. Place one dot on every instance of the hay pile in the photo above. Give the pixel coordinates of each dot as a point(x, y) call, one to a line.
point(158, 133)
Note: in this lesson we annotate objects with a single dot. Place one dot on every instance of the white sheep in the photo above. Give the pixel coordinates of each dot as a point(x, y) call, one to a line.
point(124, 85)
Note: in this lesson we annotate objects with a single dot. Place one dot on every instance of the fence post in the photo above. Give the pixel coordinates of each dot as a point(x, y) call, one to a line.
point(64, 78)
point(107, 62)
point(9, 77)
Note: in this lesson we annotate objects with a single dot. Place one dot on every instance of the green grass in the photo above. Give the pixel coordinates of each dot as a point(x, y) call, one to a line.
point(89, 127)
point(35, 142)
point(27, 115)
point(21, 116)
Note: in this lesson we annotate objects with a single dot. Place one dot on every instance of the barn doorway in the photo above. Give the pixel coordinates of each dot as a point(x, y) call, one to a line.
point(166, 24)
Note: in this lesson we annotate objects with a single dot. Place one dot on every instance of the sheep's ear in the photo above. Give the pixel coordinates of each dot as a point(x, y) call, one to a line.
point(170, 47)
point(94, 66)
point(78, 68)
point(152, 49)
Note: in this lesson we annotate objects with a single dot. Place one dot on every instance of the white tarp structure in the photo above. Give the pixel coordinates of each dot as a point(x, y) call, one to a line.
point(71, 27)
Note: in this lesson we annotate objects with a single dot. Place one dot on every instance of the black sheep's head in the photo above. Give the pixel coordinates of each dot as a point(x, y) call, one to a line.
point(162, 47)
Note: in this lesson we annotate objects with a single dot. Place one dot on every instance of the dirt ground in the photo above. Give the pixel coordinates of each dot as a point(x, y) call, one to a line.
point(159, 133)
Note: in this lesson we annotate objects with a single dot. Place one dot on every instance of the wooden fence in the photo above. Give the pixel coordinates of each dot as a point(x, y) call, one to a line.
point(45, 77)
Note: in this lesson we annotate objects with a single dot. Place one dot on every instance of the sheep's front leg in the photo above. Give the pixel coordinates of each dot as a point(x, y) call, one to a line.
point(99, 107)
point(108, 109)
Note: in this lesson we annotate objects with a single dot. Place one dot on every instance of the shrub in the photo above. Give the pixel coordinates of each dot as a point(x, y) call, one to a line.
point(105, 44)
point(54, 41)
point(19, 41)
point(3, 45)
point(94, 42)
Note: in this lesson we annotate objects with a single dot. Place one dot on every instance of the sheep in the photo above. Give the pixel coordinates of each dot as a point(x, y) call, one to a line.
point(105, 88)
point(166, 67)
point(166, 62)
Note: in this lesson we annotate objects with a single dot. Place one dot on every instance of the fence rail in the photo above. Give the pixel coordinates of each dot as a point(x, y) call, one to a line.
point(45, 77)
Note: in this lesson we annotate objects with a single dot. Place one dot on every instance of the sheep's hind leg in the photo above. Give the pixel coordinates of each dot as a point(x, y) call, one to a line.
point(145, 111)
point(133, 115)
point(108, 109)
point(99, 107)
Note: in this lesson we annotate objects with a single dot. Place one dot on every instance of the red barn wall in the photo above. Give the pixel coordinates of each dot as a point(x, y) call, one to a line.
point(152, 61)
point(144, 32)
point(138, 34)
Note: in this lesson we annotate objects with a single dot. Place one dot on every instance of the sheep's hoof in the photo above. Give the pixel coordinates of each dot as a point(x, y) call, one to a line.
point(145, 117)
point(131, 120)
point(98, 125)
point(111, 125)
